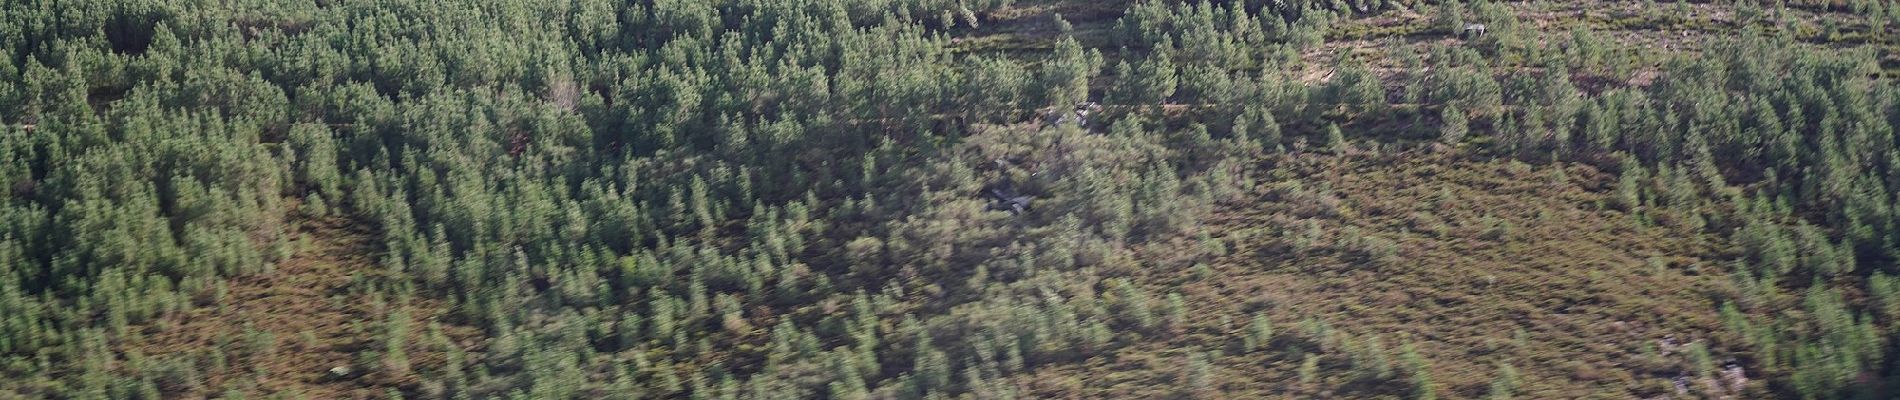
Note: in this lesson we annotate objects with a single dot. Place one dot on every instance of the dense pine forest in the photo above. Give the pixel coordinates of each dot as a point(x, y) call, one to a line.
point(949, 199)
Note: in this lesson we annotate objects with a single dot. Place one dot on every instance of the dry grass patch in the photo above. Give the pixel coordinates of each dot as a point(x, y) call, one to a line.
point(1474, 263)
point(316, 313)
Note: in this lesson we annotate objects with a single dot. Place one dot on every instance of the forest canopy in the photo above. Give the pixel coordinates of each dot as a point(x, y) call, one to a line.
point(913, 199)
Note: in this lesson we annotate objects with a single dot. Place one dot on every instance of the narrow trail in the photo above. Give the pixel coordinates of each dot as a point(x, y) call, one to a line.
point(283, 332)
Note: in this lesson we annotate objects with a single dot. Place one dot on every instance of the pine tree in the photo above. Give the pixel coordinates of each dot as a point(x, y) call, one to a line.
point(1504, 385)
point(1259, 333)
point(1449, 18)
point(931, 369)
point(1453, 130)
point(1423, 388)
point(1156, 79)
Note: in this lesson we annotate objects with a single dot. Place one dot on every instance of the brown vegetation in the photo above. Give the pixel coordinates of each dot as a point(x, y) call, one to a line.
point(317, 308)
point(1476, 263)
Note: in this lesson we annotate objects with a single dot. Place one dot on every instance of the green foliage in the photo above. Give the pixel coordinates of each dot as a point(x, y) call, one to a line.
point(1449, 17)
point(1353, 89)
point(1505, 385)
point(1309, 369)
point(1455, 125)
point(1198, 376)
point(1258, 334)
point(1423, 388)
point(723, 199)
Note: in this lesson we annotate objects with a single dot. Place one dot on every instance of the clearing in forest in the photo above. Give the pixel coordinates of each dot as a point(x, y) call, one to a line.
point(283, 332)
point(1475, 264)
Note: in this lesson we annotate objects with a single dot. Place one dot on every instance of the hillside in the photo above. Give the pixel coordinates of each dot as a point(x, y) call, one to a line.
point(291, 329)
point(1475, 264)
point(932, 199)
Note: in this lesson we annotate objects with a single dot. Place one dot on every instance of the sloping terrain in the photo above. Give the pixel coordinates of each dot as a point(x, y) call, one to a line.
point(311, 328)
point(1475, 264)
point(934, 199)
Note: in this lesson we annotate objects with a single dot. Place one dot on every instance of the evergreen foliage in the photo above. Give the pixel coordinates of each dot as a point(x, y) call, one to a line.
point(784, 199)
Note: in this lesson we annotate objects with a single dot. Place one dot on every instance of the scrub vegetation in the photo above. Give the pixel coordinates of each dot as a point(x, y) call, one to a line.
point(936, 199)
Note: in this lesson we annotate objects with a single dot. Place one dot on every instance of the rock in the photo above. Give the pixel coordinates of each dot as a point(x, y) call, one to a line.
point(1734, 376)
point(1669, 345)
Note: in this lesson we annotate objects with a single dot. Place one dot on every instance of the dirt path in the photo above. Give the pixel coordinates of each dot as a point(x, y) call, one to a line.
point(282, 332)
